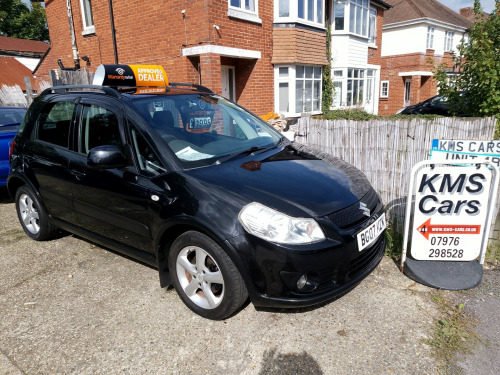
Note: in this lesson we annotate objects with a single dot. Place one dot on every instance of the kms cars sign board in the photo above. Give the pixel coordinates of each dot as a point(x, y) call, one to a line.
point(451, 207)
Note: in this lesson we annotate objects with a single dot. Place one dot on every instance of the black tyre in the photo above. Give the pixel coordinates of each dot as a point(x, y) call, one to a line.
point(204, 276)
point(32, 215)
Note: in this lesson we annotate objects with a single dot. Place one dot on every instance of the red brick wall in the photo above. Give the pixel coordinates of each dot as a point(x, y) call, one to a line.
point(154, 32)
point(422, 88)
point(374, 54)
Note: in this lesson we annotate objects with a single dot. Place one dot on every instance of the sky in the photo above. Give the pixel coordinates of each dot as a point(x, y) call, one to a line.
point(488, 5)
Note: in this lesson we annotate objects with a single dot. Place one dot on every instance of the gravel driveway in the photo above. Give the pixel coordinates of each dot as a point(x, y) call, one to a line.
point(70, 307)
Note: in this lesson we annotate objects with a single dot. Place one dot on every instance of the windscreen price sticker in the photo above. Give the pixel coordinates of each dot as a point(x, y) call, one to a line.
point(451, 206)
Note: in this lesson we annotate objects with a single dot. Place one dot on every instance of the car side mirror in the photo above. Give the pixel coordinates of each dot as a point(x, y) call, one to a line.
point(106, 157)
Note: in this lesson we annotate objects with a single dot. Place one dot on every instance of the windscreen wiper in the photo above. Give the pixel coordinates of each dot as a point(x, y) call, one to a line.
point(249, 151)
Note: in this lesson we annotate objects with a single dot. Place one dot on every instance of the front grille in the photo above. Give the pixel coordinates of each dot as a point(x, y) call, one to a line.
point(360, 264)
point(353, 215)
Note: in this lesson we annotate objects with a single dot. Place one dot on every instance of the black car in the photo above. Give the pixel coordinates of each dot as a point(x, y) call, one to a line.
point(433, 106)
point(186, 181)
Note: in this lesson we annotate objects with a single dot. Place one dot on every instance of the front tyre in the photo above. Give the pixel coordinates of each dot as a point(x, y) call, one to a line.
point(204, 276)
point(32, 215)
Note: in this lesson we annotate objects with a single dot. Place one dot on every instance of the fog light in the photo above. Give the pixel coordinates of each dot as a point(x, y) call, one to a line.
point(302, 282)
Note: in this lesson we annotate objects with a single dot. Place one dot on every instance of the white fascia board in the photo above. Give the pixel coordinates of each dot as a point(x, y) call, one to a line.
point(427, 21)
point(416, 73)
point(221, 50)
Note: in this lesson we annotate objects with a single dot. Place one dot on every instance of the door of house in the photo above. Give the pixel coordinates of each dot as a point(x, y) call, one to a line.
point(407, 92)
point(370, 91)
point(228, 86)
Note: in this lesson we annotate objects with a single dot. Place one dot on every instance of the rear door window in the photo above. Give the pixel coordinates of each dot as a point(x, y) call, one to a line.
point(54, 123)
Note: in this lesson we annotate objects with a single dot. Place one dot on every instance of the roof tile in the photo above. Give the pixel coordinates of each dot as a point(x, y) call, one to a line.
point(407, 10)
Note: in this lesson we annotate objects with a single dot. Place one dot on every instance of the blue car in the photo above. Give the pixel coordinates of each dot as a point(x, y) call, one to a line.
point(10, 118)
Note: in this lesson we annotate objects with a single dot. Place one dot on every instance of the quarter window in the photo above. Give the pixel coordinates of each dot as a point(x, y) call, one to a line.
point(54, 123)
point(99, 127)
point(87, 16)
point(149, 162)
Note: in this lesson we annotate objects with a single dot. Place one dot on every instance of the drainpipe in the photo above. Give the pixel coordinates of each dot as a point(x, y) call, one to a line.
point(76, 57)
point(113, 31)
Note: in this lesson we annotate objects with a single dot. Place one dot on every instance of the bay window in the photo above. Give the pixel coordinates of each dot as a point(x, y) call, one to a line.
point(247, 10)
point(300, 11)
point(355, 17)
point(358, 17)
point(298, 89)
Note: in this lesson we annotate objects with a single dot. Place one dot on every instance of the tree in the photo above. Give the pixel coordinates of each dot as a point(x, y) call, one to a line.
point(476, 88)
point(17, 20)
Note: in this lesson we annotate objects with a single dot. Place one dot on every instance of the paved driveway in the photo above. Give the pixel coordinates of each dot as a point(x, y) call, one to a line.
point(70, 307)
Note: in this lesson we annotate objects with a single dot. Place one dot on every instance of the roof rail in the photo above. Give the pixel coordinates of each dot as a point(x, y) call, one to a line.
point(106, 90)
point(199, 87)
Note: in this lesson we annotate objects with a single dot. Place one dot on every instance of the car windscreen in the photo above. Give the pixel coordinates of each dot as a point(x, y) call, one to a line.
point(205, 129)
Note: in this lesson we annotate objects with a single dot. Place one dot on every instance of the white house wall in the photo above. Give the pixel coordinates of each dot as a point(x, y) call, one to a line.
point(404, 40)
point(349, 51)
point(413, 39)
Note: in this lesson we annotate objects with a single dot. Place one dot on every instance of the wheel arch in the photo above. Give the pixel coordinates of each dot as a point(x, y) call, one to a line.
point(171, 232)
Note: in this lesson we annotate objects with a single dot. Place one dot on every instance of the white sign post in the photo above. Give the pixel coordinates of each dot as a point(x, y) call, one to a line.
point(452, 212)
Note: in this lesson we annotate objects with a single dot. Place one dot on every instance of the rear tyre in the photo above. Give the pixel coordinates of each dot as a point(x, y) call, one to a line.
point(32, 215)
point(204, 276)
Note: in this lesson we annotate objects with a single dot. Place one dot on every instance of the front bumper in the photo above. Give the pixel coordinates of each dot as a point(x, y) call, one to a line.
point(333, 267)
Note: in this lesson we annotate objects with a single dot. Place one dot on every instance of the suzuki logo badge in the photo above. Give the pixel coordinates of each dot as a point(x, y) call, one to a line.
point(363, 207)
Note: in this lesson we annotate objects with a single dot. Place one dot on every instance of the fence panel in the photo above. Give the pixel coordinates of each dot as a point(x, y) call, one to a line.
point(386, 149)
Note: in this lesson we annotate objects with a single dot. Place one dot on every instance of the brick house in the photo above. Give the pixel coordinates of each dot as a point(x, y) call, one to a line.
point(226, 45)
point(413, 32)
point(356, 52)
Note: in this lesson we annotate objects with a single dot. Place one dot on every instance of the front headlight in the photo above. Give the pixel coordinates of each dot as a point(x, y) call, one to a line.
point(274, 226)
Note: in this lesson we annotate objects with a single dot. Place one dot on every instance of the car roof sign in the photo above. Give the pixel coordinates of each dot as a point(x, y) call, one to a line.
point(130, 76)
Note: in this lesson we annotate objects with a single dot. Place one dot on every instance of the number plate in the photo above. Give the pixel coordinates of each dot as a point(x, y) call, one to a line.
point(369, 235)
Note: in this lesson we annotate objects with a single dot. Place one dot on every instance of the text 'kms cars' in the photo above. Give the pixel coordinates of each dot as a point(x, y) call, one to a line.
point(186, 181)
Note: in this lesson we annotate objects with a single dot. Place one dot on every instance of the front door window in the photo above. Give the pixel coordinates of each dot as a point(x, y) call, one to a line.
point(407, 92)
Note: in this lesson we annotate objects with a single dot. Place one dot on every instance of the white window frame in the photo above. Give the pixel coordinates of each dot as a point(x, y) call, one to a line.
point(384, 89)
point(448, 41)
point(293, 13)
point(359, 6)
point(291, 80)
point(362, 6)
point(88, 27)
point(372, 34)
point(430, 37)
point(242, 13)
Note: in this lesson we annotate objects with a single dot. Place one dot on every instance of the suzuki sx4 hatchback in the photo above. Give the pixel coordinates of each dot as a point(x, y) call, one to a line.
point(193, 184)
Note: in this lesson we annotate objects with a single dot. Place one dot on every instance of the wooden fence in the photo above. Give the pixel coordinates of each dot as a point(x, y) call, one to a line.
point(15, 97)
point(386, 150)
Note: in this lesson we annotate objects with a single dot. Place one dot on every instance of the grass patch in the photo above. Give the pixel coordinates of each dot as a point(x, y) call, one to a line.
point(452, 334)
point(493, 252)
point(394, 244)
